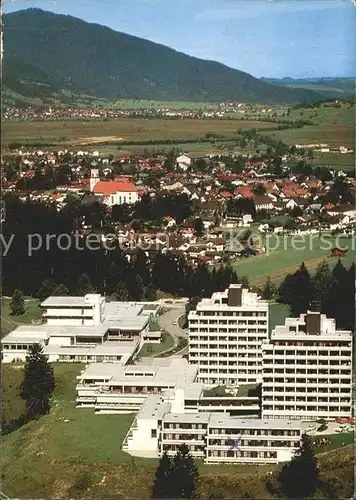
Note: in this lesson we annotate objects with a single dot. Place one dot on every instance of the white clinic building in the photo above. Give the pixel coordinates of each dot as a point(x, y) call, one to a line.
point(84, 329)
point(226, 333)
point(307, 370)
point(162, 425)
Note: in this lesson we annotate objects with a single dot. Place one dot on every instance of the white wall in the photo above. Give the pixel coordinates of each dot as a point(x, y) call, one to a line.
point(142, 439)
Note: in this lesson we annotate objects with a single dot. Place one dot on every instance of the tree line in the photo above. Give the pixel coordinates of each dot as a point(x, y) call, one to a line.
point(330, 290)
point(128, 274)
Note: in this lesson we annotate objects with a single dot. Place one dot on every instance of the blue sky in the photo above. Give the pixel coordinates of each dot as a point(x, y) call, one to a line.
point(274, 38)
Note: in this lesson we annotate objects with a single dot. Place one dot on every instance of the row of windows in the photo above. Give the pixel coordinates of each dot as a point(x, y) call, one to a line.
point(334, 409)
point(313, 390)
point(242, 454)
point(309, 343)
point(255, 432)
point(321, 372)
point(240, 339)
point(84, 357)
point(183, 425)
point(253, 443)
point(224, 381)
point(296, 399)
point(18, 347)
point(183, 437)
point(303, 371)
point(230, 372)
point(260, 314)
point(305, 380)
point(235, 322)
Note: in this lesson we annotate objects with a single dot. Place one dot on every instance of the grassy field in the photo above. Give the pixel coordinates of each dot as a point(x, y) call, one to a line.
point(32, 314)
point(286, 259)
point(338, 161)
point(333, 134)
point(145, 104)
point(193, 149)
point(77, 133)
point(337, 441)
point(67, 453)
point(151, 349)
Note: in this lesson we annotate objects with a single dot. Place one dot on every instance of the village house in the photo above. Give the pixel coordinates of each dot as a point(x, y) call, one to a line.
point(263, 202)
point(183, 162)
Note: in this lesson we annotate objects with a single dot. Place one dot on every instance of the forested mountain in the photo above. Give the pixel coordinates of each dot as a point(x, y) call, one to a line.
point(64, 52)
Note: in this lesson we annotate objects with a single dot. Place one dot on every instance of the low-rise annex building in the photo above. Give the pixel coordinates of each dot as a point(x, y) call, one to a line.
point(162, 425)
point(86, 329)
point(124, 389)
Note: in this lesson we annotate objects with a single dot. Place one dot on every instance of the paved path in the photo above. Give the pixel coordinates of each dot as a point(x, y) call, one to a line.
point(166, 321)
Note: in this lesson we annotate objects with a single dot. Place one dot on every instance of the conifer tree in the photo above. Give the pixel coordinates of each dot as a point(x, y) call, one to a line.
point(38, 384)
point(302, 291)
point(184, 474)
point(162, 483)
point(269, 289)
point(60, 291)
point(46, 289)
point(85, 285)
point(17, 304)
point(300, 477)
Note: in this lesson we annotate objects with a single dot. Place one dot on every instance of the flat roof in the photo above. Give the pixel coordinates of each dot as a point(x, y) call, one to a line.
point(26, 334)
point(221, 420)
point(171, 373)
point(65, 301)
point(126, 323)
point(193, 391)
point(200, 418)
point(154, 407)
point(124, 349)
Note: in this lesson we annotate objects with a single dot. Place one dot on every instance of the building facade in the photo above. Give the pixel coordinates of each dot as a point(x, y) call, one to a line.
point(162, 425)
point(307, 370)
point(74, 311)
point(116, 192)
point(225, 337)
point(86, 329)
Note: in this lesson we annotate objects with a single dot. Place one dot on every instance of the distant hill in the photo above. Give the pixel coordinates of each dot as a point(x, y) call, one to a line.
point(46, 52)
point(344, 88)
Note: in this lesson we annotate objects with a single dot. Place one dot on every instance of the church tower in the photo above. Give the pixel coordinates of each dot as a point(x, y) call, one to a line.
point(94, 178)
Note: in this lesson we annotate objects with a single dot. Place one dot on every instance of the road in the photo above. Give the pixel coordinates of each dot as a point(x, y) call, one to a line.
point(166, 321)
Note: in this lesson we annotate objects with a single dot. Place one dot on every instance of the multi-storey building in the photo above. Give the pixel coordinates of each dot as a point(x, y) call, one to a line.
point(225, 337)
point(307, 370)
point(74, 311)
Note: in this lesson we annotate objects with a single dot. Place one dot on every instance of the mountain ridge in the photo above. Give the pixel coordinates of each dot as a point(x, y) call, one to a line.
point(96, 60)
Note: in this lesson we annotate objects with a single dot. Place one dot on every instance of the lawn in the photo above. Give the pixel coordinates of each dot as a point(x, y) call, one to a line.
point(337, 441)
point(333, 135)
point(51, 458)
point(150, 349)
point(338, 161)
point(80, 132)
point(289, 253)
point(32, 314)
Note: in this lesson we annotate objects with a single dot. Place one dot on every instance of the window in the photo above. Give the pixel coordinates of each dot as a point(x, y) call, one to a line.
point(153, 433)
